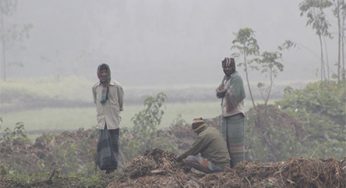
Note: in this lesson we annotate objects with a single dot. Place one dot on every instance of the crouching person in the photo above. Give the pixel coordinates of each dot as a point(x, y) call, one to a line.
point(210, 145)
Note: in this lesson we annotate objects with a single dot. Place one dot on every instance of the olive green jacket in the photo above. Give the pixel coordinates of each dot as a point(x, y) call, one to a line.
point(211, 146)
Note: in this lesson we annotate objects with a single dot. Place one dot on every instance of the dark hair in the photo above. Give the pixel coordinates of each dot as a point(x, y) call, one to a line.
point(102, 67)
point(228, 61)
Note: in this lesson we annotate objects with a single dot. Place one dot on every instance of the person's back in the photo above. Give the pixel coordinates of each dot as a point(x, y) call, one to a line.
point(209, 143)
point(216, 151)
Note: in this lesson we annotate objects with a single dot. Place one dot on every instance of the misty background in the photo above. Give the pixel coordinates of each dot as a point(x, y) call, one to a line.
point(157, 42)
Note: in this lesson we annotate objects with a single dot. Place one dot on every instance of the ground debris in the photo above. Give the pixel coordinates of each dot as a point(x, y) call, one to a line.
point(152, 162)
point(295, 172)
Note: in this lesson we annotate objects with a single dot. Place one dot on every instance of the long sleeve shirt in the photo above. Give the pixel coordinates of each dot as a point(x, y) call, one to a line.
point(232, 95)
point(210, 145)
point(109, 112)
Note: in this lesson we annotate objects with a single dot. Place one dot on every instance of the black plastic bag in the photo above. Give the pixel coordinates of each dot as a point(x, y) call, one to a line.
point(105, 157)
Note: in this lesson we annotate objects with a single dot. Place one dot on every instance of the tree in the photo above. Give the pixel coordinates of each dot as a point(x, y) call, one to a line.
point(270, 63)
point(9, 33)
point(246, 45)
point(339, 13)
point(343, 38)
point(319, 23)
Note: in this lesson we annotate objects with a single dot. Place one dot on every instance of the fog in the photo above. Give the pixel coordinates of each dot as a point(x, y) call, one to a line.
point(157, 42)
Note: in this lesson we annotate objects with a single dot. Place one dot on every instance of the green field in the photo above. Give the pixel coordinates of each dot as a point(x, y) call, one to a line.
point(22, 94)
point(74, 118)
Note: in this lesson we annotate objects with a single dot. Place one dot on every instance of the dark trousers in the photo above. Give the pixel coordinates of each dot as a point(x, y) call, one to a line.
point(114, 134)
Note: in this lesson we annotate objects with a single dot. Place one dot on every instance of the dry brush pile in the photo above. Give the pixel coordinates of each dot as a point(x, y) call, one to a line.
point(158, 168)
point(56, 155)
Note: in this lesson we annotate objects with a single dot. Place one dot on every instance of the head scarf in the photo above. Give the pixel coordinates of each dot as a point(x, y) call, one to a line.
point(104, 67)
point(105, 83)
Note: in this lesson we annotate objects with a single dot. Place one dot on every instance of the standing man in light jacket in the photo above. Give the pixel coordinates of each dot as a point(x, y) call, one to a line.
point(108, 97)
point(232, 94)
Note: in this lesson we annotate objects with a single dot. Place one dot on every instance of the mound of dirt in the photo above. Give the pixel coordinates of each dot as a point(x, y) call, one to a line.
point(158, 168)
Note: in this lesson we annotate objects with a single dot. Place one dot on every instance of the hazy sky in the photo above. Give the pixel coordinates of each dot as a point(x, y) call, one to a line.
point(154, 42)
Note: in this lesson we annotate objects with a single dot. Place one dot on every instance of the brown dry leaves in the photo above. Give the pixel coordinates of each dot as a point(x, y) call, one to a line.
point(159, 169)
